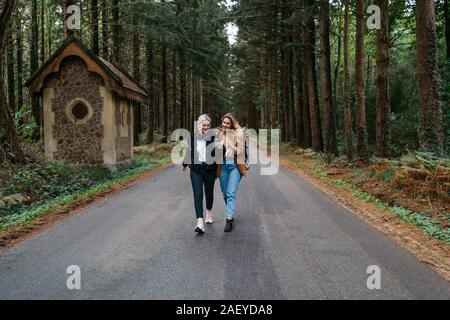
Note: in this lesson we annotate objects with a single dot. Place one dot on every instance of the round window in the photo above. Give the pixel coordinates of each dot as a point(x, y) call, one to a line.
point(79, 111)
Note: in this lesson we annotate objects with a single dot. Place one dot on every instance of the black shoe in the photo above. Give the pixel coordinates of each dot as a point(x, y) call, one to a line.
point(229, 225)
point(199, 230)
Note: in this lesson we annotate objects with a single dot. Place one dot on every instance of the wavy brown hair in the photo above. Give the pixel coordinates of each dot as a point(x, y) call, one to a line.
point(234, 123)
point(237, 131)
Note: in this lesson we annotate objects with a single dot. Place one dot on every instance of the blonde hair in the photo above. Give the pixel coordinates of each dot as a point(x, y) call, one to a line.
point(201, 119)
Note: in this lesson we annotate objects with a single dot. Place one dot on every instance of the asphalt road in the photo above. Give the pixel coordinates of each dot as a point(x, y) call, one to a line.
point(289, 242)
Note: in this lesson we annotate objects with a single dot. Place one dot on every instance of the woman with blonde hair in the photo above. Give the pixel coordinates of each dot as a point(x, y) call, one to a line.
point(232, 141)
point(203, 170)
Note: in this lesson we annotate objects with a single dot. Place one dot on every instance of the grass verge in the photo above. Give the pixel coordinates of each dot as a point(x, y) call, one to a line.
point(80, 184)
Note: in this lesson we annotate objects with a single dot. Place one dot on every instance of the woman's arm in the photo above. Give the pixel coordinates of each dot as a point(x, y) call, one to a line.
point(188, 157)
point(220, 141)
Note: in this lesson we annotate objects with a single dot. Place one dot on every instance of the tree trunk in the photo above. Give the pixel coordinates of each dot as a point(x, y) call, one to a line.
point(105, 41)
point(368, 70)
point(431, 134)
point(157, 110)
point(35, 107)
point(136, 74)
point(336, 81)
point(2, 154)
point(283, 97)
point(49, 38)
point(299, 97)
point(165, 96)
point(200, 95)
point(188, 96)
point(325, 80)
point(272, 35)
point(361, 127)
point(306, 119)
point(382, 83)
point(34, 38)
point(151, 90)
point(10, 73)
point(183, 89)
point(292, 118)
point(306, 116)
point(116, 31)
point(273, 92)
point(291, 121)
point(284, 85)
point(136, 46)
point(191, 97)
point(42, 32)
point(94, 25)
point(447, 28)
point(182, 75)
point(309, 38)
point(19, 48)
point(347, 106)
point(195, 99)
point(265, 114)
point(176, 112)
point(8, 135)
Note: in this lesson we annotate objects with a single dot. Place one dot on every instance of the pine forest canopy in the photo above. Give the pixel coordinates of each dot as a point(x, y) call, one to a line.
point(311, 68)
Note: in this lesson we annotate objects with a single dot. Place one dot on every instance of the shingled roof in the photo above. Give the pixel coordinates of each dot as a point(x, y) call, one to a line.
point(116, 78)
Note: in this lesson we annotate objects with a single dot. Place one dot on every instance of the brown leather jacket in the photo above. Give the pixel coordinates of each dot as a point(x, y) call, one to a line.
point(241, 167)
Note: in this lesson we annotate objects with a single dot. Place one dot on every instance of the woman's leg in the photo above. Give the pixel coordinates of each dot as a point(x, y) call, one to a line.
point(224, 181)
point(197, 187)
point(209, 180)
point(232, 187)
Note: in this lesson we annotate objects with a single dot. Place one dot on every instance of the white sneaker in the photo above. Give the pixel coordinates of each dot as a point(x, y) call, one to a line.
point(200, 226)
point(209, 218)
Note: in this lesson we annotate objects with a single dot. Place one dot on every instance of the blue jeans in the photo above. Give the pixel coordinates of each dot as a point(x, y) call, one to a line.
point(229, 182)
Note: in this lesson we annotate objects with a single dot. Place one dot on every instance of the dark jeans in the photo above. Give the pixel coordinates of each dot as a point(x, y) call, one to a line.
point(201, 177)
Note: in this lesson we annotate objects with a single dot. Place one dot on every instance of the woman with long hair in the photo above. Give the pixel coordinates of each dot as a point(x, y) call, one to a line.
point(203, 170)
point(232, 141)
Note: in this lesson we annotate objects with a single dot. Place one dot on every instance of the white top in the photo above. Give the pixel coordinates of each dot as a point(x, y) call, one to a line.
point(201, 150)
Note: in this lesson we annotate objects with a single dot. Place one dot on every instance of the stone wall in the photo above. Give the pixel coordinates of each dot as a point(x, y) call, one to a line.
point(76, 143)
